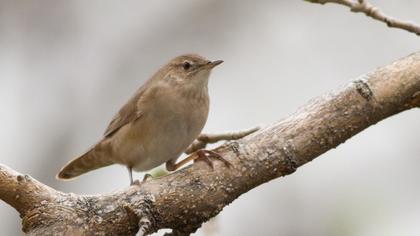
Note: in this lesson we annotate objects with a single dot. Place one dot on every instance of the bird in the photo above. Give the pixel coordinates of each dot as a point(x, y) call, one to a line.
point(157, 124)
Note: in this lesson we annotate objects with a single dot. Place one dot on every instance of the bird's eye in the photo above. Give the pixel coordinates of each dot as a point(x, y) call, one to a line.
point(186, 65)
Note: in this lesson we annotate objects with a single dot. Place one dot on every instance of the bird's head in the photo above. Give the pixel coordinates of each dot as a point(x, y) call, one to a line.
point(189, 69)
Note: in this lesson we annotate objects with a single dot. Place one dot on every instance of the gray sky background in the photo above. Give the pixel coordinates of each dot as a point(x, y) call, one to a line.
point(67, 66)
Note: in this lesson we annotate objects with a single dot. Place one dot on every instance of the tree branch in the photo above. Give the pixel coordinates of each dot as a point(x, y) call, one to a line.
point(185, 199)
point(204, 139)
point(374, 12)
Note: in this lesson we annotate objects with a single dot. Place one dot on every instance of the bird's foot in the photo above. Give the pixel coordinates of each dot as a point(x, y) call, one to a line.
point(145, 178)
point(206, 155)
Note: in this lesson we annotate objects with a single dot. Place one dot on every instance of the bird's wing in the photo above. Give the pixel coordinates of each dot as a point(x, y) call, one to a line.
point(128, 113)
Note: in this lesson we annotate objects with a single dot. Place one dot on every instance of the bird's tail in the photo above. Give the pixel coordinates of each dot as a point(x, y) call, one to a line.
point(91, 160)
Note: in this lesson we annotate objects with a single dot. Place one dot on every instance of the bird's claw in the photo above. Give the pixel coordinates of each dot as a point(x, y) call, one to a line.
point(145, 178)
point(205, 155)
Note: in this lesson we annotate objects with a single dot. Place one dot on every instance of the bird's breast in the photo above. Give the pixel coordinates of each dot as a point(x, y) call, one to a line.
point(167, 129)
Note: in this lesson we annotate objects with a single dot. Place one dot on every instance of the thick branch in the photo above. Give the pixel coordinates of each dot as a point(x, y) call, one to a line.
point(187, 198)
point(21, 191)
point(374, 12)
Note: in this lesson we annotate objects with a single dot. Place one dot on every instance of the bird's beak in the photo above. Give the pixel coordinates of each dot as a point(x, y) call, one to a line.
point(213, 64)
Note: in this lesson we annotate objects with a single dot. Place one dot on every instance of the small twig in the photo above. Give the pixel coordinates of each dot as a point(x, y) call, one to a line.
point(204, 139)
point(372, 11)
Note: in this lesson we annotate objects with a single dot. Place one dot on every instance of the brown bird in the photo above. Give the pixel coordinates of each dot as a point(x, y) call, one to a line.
point(157, 124)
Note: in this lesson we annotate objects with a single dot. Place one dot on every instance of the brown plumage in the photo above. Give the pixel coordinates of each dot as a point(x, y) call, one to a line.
point(157, 124)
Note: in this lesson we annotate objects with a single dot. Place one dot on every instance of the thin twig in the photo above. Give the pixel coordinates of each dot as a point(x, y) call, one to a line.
point(374, 12)
point(204, 139)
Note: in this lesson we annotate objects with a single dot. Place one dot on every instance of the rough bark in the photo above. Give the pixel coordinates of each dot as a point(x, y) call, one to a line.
point(185, 199)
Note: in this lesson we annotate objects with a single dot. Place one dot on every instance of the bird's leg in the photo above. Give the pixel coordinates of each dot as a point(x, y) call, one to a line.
point(130, 174)
point(201, 154)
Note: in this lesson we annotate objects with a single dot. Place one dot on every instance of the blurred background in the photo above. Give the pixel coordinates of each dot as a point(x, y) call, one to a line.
point(66, 67)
